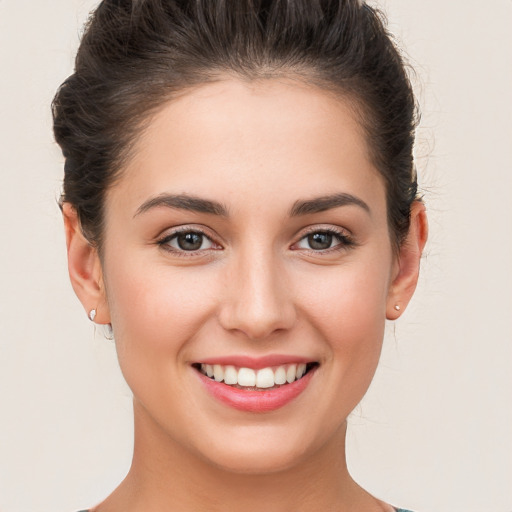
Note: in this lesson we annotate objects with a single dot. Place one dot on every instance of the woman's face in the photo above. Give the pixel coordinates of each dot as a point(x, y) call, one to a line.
point(248, 231)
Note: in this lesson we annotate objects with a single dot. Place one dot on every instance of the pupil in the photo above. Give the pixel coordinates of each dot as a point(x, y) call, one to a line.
point(320, 240)
point(190, 241)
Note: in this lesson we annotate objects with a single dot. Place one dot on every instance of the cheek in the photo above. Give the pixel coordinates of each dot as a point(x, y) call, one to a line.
point(347, 307)
point(346, 299)
point(155, 311)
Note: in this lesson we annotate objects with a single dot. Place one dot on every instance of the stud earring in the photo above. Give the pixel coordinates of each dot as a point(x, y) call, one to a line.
point(92, 315)
point(397, 307)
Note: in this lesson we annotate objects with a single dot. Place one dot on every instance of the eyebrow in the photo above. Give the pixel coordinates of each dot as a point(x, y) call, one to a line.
point(198, 204)
point(183, 202)
point(323, 203)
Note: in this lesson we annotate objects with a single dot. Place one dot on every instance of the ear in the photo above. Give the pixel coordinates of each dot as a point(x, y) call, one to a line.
point(84, 267)
point(408, 263)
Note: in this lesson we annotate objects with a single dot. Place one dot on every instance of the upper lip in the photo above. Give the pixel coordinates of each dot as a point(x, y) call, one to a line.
point(244, 361)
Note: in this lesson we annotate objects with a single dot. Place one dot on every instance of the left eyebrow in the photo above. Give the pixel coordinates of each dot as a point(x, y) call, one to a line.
point(323, 203)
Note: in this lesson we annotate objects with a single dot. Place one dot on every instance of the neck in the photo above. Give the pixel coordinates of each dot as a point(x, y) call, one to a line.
point(165, 475)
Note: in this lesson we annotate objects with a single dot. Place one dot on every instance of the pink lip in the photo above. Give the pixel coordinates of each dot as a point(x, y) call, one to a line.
point(256, 401)
point(256, 363)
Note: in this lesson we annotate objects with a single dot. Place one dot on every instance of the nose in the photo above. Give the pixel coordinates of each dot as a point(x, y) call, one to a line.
point(258, 300)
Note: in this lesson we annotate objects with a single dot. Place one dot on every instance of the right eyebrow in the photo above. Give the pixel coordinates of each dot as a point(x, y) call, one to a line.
point(183, 202)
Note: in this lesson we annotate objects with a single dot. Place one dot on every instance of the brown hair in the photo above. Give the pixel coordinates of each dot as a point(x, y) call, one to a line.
point(136, 54)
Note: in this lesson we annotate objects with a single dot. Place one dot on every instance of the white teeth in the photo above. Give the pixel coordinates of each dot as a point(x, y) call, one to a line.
point(280, 375)
point(230, 375)
point(218, 372)
point(265, 378)
point(291, 373)
point(247, 377)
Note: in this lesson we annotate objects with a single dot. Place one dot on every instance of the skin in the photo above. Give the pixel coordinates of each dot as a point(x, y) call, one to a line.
point(255, 287)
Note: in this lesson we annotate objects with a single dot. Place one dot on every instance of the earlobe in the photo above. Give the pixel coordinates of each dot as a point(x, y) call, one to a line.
point(408, 263)
point(84, 268)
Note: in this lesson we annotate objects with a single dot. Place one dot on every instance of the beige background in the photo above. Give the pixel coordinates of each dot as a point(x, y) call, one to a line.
point(434, 433)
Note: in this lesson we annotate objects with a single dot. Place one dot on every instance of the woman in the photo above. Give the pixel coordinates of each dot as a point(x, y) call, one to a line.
point(240, 210)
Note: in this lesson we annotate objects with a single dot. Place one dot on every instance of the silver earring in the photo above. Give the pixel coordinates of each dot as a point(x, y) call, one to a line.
point(92, 315)
point(397, 307)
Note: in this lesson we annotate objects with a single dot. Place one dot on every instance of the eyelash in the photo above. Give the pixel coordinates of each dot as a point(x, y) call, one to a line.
point(345, 241)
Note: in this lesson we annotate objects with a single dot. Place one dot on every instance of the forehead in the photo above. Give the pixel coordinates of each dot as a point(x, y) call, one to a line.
point(265, 141)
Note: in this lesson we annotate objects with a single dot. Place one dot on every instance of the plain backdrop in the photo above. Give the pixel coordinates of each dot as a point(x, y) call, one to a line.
point(434, 432)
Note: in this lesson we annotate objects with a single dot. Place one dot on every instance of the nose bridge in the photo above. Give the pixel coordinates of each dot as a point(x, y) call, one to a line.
point(258, 300)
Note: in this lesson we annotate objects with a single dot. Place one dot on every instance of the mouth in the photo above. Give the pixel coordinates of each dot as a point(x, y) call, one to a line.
point(251, 379)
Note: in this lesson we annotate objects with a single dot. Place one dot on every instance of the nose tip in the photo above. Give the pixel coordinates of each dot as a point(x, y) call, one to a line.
point(257, 322)
point(258, 303)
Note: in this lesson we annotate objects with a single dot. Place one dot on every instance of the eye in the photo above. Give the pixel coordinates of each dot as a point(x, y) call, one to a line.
point(324, 240)
point(189, 241)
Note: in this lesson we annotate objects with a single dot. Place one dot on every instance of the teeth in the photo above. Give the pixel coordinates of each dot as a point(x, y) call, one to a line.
point(218, 373)
point(230, 375)
point(247, 377)
point(291, 373)
point(280, 375)
point(265, 378)
point(301, 370)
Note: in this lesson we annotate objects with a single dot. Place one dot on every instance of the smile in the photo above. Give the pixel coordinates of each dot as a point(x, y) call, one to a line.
point(263, 386)
point(256, 379)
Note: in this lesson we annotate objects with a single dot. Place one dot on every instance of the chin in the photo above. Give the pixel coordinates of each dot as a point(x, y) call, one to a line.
point(256, 461)
point(260, 452)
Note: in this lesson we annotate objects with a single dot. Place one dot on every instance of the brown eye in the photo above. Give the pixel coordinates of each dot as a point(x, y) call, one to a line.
point(188, 241)
point(325, 241)
point(320, 241)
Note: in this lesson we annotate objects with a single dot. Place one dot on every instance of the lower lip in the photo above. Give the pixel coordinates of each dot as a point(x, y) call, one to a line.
point(256, 401)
